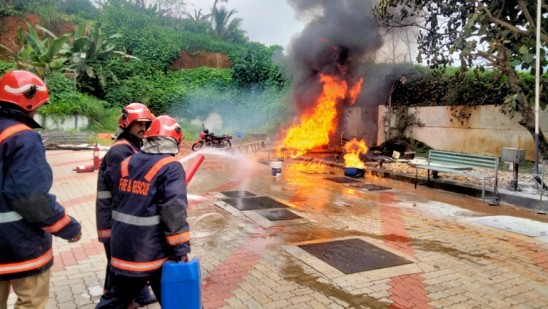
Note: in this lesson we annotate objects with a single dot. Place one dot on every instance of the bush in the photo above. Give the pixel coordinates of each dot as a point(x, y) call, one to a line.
point(6, 66)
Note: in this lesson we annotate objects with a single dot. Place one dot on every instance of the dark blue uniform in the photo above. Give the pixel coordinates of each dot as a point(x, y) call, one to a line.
point(148, 224)
point(28, 213)
point(125, 146)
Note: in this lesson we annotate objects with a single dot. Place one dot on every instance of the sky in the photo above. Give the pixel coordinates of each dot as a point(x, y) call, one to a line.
point(271, 22)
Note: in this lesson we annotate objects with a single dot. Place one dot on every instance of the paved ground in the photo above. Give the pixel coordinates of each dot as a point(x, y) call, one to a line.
point(459, 257)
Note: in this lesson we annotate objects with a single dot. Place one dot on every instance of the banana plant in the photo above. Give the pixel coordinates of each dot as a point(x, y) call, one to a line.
point(41, 56)
point(88, 51)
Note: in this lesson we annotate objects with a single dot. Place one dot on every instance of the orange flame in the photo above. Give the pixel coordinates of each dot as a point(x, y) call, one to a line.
point(315, 127)
point(353, 150)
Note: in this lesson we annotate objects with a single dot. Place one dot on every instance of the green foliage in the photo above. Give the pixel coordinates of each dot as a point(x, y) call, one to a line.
point(66, 100)
point(224, 26)
point(253, 66)
point(6, 66)
point(15, 7)
point(427, 87)
point(82, 8)
point(88, 52)
point(196, 42)
point(40, 56)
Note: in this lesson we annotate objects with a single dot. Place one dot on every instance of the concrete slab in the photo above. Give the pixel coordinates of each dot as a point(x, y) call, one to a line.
point(521, 226)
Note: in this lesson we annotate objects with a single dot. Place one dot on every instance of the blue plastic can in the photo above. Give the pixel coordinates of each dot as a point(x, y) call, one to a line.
point(181, 286)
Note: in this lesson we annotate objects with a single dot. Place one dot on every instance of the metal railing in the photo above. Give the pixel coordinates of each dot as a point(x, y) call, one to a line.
point(542, 186)
point(249, 147)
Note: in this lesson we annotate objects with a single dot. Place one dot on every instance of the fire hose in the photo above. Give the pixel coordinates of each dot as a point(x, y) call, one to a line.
point(211, 216)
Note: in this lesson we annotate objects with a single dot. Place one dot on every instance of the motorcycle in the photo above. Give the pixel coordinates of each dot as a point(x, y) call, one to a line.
point(211, 140)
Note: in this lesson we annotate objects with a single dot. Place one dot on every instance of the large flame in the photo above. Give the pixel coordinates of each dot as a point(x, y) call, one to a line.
point(316, 127)
point(353, 150)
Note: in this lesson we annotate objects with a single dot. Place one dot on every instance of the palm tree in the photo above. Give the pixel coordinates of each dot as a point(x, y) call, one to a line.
point(224, 26)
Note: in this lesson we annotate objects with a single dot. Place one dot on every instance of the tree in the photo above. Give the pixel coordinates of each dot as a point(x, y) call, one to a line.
point(483, 34)
point(253, 66)
point(224, 26)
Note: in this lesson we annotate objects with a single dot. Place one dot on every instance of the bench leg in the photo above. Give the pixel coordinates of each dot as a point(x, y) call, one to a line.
point(483, 192)
point(428, 173)
point(495, 201)
point(416, 176)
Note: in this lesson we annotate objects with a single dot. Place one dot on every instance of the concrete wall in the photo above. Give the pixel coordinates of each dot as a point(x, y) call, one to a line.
point(485, 131)
point(62, 123)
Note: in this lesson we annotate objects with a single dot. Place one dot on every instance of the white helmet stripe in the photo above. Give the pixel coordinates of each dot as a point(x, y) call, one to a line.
point(171, 127)
point(135, 111)
point(23, 89)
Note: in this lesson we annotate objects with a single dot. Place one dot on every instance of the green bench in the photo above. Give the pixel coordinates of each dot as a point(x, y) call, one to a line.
point(462, 164)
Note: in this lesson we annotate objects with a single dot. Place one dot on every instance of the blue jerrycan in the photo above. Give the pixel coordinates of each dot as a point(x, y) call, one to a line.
point(181, 286)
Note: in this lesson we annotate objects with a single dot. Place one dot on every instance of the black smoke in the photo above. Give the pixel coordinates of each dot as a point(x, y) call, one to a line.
point(338, 40)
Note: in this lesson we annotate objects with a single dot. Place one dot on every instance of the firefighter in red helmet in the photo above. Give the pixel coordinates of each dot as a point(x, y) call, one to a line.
point(29, 214)
point(149, 223)
point(133, 122)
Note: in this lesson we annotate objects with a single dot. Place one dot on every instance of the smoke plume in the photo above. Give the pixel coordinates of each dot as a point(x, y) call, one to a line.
point(339, 37)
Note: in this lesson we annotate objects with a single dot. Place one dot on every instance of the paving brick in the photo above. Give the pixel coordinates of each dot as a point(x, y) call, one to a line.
point(459, 264)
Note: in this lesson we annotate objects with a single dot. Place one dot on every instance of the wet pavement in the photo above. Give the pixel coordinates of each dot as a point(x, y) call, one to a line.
point(452, 251)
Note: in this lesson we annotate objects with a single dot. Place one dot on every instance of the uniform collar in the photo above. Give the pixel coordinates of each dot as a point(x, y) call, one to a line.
point(19, 116)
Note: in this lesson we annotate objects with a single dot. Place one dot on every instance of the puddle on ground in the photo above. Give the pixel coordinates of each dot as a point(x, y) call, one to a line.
point(295, 273)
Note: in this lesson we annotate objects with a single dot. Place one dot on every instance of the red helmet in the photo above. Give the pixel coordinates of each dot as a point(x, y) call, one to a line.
point(134, 112)
point(23, 89)
point(165, 126)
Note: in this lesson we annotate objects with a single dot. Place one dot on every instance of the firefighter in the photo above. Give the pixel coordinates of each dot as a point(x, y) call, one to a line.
point(29, 214)
point(133, 123)
point(149, 223)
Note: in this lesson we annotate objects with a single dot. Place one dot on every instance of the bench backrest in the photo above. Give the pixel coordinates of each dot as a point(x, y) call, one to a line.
point(463, 159)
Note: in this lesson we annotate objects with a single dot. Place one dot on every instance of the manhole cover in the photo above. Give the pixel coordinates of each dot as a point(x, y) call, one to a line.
point(236, 194)
point(278, 215)
point(254, 203)
point(370, 187)
point(353, 255)
point(342, 179)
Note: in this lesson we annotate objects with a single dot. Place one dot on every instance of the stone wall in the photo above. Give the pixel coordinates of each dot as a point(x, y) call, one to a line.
point(478, 130)
point(62, 123)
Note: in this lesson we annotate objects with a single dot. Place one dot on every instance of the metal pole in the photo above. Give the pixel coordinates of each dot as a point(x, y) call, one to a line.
point(537, 86)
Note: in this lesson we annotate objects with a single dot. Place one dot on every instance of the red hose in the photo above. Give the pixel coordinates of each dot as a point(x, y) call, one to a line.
point(194, 167)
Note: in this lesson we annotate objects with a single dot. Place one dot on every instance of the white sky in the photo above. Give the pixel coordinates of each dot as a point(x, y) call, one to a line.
point(271, 22)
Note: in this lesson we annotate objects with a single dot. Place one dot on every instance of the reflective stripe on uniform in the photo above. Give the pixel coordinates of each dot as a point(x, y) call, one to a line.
point(134, 220)
point(124, 167)
point(61, 223)
point(137, 266)
point(12, 130)
point(104, 194)
point(26, 265)
point(124, 142)
point(10, 216)
point(154, 169)
point(104, 233)
point(178, 238)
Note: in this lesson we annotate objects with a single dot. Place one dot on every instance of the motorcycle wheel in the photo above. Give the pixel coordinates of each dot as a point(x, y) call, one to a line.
point(225, 144)
point(197, 146)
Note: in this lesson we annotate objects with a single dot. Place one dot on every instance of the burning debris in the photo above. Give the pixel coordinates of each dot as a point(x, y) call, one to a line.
point(326, 59)
point(353, 150)
point(320, 122)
